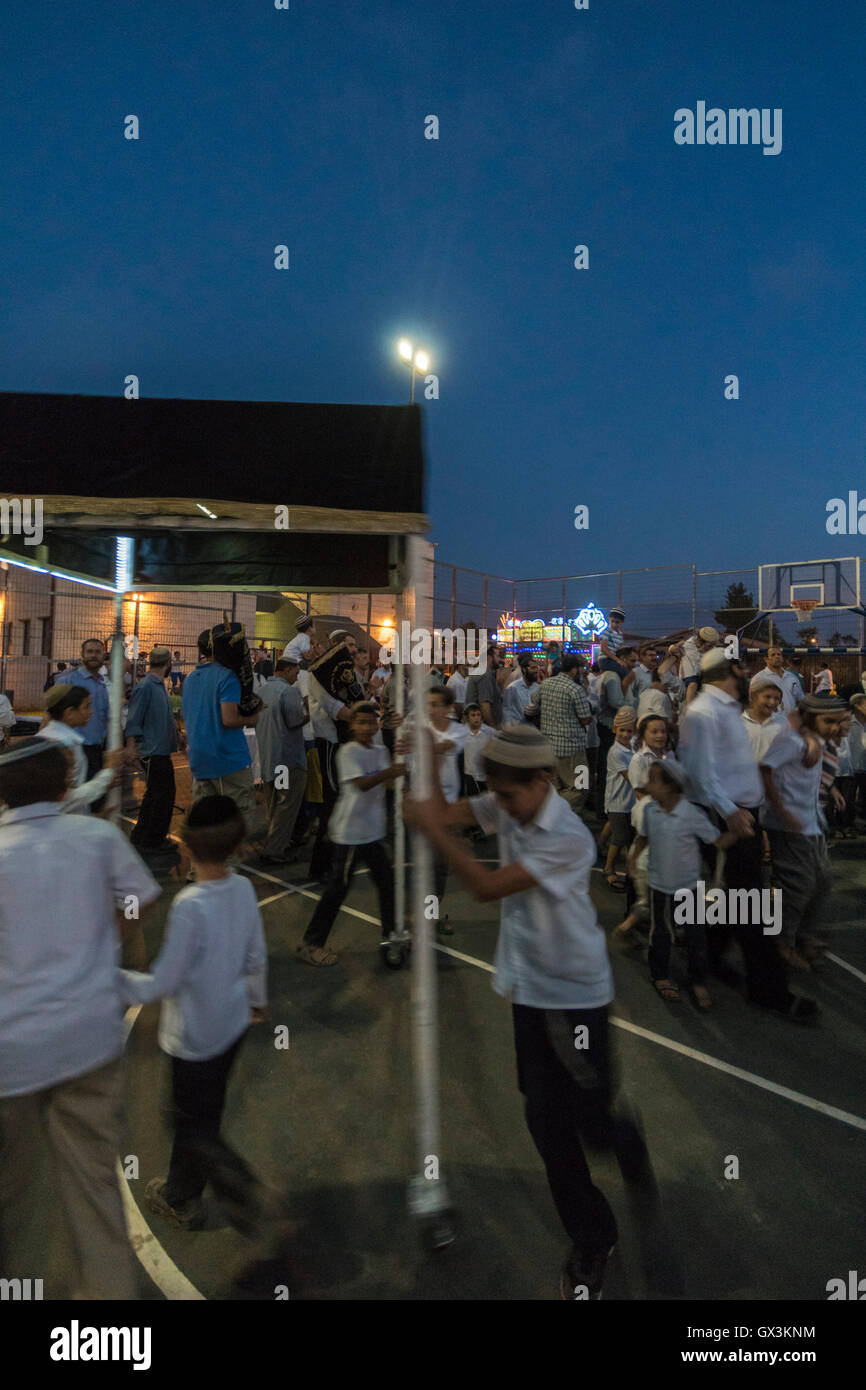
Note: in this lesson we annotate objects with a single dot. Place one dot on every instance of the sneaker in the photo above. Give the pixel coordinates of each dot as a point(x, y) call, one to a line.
point(188, 1215)
point(582, 1276)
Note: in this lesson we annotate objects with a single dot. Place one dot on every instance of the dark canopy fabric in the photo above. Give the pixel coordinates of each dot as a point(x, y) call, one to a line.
point(344, 460)
point(357, 457)
point(222, 559)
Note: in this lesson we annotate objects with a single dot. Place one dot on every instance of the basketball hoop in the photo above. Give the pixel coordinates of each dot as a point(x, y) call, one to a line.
point(803, 608)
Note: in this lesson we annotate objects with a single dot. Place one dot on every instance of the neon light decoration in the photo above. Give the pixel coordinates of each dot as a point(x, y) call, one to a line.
point(590, 621)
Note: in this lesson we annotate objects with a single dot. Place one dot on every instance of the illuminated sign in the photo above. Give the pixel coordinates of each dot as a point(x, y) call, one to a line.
point(590, 621)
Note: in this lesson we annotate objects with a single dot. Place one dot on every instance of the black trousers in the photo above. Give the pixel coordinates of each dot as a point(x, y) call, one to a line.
point(569, 1093)
point(320, 860)
point(94, 753)
point(663, 933)
point(157, 804)
point(344, 861)
point(765, 970)
point(860, 793)
point(199, 1155)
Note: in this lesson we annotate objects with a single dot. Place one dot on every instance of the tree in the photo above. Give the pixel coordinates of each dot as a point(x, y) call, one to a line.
point(739, 610)
point(837, 639)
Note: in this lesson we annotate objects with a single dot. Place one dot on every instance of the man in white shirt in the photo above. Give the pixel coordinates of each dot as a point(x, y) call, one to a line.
point(519, 693)
point(7, 719)
point(457, 683)
point(857, 751)
point(551, 963)
point(822, 681)
point(61, 1030)
point(299, 647)
point(795, 826)
point(693, 649)
point(788, 683)
point(715, 750)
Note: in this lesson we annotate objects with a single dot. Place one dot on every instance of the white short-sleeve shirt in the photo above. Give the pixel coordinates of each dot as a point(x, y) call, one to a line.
point(798, 786)
point(551, 952)
point(359, 817)
point(674, 856)
point(618, 792)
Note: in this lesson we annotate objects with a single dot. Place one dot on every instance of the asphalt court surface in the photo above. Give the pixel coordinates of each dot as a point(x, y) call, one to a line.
point(328, 1122)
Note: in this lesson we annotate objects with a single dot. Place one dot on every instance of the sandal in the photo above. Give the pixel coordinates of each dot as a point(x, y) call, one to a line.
point(702, 997)
point(667, 989)
point(617, 884)
point(317, 955)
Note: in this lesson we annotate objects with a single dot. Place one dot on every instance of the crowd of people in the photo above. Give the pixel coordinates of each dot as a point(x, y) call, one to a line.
point(673, 761)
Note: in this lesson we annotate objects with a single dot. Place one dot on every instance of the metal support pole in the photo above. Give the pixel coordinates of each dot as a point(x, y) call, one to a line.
point(124, 555)
point(694, 597)
point(370, 618)
point(428, 1196)
point(563, 618)
point(484, 609)
point(52, 616)
point(4, 627)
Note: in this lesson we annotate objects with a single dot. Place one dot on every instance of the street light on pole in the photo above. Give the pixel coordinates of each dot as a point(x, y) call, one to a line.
point(418, 361)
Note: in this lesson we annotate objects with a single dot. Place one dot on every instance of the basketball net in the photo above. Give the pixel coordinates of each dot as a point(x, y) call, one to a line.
point(803, 608)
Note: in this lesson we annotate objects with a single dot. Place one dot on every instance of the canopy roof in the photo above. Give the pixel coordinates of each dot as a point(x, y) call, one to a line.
point(274, 475)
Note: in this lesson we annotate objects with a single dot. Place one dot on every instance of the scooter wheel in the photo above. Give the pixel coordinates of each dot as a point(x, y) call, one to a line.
point(394, 955)
point(439, 1231)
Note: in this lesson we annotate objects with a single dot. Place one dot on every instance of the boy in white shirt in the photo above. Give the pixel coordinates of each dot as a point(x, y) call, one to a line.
point(618, 794)
point(211, 974)
point(478, 736)
point(673, 828)
point(357, 831)
point(653, 745)
point(551, 963)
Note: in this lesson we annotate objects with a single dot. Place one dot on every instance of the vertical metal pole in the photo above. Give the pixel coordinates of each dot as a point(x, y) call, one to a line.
point(398, 673)
point(694, 596)
point(4, 623)
point(484, 608)
point(52, 612)
point(370, 618)
point(428, 1196)
point(562, 634)
point(115, 730)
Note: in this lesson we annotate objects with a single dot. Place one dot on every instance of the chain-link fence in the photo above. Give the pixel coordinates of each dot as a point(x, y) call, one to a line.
point(44, 620)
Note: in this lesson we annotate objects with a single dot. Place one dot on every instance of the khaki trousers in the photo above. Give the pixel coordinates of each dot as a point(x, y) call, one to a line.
point(239, 786)
point(283, 804)
point(79, 1122)
point(566, 770)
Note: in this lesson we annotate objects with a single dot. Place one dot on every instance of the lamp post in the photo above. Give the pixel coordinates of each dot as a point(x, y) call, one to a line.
point(418, 362)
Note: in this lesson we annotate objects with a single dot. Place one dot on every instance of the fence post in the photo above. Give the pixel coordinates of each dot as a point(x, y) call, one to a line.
point(453, 597)
point(694, 596)
point(4, 627)
point(369, 617)
point(484, 609)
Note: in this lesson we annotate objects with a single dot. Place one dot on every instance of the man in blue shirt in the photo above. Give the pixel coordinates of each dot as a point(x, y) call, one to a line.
point(152, 733)
point(219, 757)
point(95, 731)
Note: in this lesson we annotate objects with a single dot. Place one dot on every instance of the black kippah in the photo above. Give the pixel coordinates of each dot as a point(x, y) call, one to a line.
point(212, 810)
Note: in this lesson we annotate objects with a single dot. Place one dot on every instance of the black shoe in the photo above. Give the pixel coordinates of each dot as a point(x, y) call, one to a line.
point(582, 1276)
point(797, 1009)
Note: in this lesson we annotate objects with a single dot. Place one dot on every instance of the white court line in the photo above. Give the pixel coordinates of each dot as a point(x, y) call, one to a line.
point(715, 1062)
point(174, 1284)
point(845, 966)
point(156, 1261)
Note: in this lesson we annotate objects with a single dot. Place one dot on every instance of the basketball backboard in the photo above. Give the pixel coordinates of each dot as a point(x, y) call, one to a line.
point(833, 583)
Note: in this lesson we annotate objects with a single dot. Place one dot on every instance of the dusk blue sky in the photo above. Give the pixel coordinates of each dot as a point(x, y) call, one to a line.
point(557, 386)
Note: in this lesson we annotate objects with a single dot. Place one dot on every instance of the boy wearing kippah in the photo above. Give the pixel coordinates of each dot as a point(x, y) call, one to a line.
point(69, 708)
point(211, 974)
point(672, 830)
point(357, 830)
point(551, 963)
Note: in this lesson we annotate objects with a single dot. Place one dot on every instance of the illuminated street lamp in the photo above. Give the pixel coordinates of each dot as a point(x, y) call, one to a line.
point(418, 361)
